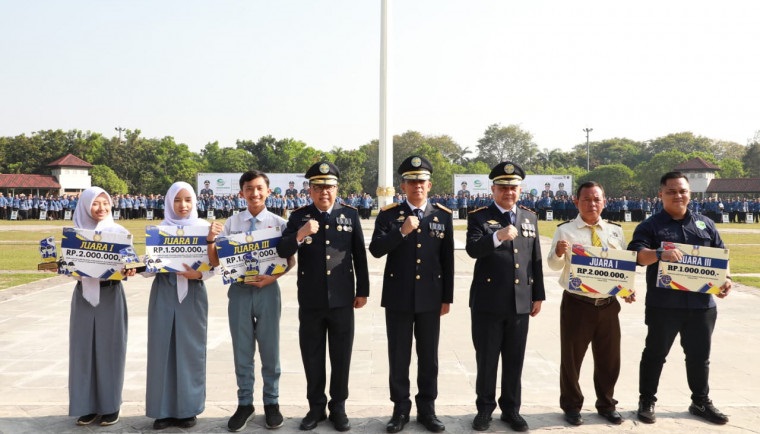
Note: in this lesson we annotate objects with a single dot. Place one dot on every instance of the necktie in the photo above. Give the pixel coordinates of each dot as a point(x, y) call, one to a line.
point(418, 213)
point(510, 216)
point(595, 240)
point(325, 216)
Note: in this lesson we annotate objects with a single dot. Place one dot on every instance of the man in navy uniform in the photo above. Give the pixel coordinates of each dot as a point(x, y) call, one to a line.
point(333, 280)
point(669, 312)
point(291, 190)
point(507, 288)
point(418, 286)
point(207, 188)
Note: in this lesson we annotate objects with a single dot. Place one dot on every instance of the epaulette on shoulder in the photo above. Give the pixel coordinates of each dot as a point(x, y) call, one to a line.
point(526, 209)
point(477, 209)
point(389, 206)
point(300, 207)
point(564, 223)
point(349, 206)
point(443, 208)
point(613, 223)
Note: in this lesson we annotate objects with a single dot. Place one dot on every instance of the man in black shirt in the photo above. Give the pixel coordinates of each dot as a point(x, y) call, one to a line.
point(670, 312)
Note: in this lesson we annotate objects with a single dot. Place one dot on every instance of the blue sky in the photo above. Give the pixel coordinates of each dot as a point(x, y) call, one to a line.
point(204, 71)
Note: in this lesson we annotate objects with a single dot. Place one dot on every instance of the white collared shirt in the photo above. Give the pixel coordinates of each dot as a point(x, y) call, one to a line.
point(577, 232)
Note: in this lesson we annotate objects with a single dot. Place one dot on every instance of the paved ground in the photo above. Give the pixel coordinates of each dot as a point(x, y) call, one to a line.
point(34, 364)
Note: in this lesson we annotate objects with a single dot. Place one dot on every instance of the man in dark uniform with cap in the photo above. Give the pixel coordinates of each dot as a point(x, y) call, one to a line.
point(333, 280)
point(291, 190)
point(507, 288)
point(206, 190)
point(418, 286)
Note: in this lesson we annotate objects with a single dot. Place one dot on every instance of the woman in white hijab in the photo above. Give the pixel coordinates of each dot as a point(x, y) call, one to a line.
point(98, 327)
point(177, 323)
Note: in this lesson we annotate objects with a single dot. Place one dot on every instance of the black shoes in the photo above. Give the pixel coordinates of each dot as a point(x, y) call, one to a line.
point(482, 421)
point(431, 423)
point(340, 421)
point(164, 423)
point(612, 417)
point(187, 422)
point(87, 419)
point(707, 411)
point(397, 422)
point(109, 419)
point(573, 418)
point(242, 415)
point(272, 416)
point(312, 418)
point(646, 411)
point(515, 421)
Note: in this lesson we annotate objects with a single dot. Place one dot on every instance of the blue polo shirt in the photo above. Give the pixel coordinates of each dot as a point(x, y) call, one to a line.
point(694, 229)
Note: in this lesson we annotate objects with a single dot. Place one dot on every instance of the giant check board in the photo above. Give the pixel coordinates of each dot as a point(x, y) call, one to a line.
point(601, 270)
point(169, 248)
point(89, 253)
point(702, 269)
point(250, 254)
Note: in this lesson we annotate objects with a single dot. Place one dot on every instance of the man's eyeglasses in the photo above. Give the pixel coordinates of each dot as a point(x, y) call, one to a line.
point(322, 187)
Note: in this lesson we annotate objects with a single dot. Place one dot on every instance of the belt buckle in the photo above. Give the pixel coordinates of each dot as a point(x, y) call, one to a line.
point(600, 301)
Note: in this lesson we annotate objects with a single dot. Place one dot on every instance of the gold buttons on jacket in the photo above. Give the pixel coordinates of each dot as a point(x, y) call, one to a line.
point(419, 230)
point(517, 281)
point(419, 261)
point(327, 242)
point(488, 280)
point(419, 245)
point(515, 250)
point(327, 257)
point(517, 265)
point(417, 277)
point(328, 272)
point(327, 226)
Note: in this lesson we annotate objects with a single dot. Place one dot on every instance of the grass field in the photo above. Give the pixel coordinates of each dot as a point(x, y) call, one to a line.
point(19, 242)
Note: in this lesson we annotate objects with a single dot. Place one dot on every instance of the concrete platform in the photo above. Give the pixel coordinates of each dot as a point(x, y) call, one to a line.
point(34, 364)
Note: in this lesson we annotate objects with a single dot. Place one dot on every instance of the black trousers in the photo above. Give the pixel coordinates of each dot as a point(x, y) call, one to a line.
point(580, 324)
point(695, 327)
point(426, 328)
point(498, 336)
point(319, 328)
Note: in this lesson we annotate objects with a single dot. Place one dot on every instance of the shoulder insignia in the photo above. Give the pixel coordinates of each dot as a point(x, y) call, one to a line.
point(389, 206)
point(443, 208)
point(613, 223)
point(565, 222)
point(300, 207)
point(526, 209)
point(477, 209)
point(349, 206)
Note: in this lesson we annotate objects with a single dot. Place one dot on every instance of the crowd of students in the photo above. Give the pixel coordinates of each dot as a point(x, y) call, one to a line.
point(562, 207)
point(137, 206)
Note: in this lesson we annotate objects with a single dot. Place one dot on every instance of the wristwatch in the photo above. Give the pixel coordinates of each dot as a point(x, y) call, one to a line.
point(659, 253)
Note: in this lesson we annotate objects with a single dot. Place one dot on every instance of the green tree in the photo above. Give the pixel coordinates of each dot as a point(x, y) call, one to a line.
point(751, 160)
point(725, 149)
point(216, 159)
point(105, 178)
point(369, 176)
point(650, 172)
point(506, 143)
point(685, 142)
point(351, 165)
point(731, 168)
point(284, 155)
point(475, 166)
point(617, 179)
